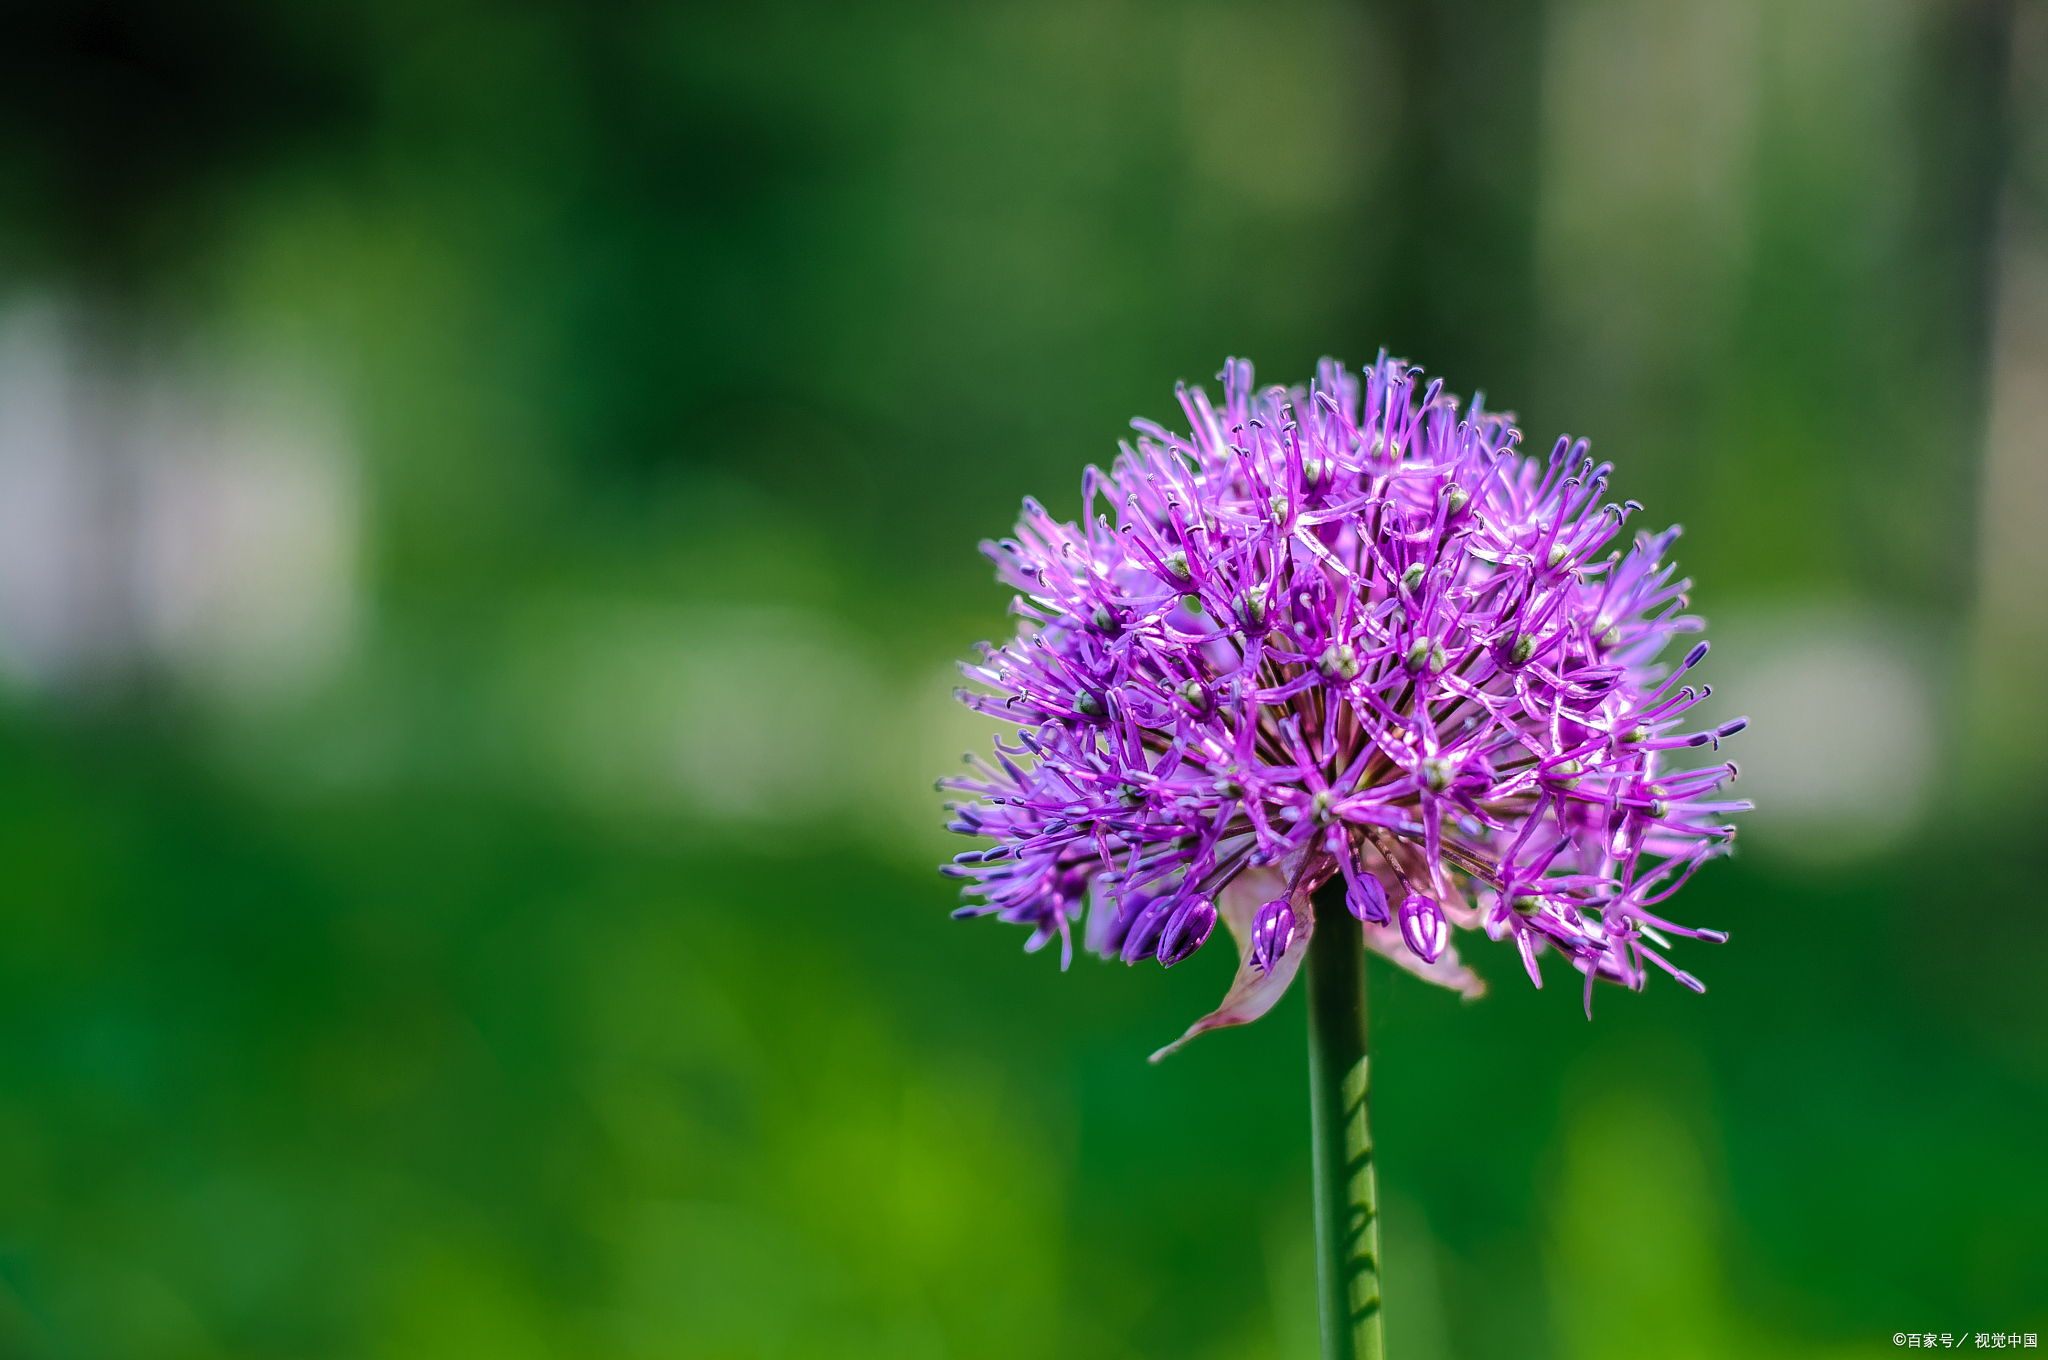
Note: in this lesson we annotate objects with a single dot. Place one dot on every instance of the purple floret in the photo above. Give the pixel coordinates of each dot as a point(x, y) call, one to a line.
point(1423, 928)
point(1272, 933)
point(1342, 630)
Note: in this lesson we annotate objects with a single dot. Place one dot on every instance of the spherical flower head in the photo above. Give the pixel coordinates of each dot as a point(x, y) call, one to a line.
point(1341, 630)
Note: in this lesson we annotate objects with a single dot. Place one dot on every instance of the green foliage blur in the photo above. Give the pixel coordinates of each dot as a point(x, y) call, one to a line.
point(553, 966)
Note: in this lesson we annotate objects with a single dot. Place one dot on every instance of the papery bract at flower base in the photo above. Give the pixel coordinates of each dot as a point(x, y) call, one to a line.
point(1341, 630)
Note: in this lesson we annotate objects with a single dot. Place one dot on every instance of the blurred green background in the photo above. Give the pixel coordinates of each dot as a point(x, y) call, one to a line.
point(488, 498)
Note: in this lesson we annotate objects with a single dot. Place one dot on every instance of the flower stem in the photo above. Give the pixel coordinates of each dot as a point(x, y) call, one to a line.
point(1346, 1188)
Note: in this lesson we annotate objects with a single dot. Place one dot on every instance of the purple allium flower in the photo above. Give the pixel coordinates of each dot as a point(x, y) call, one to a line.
point(1340, 630)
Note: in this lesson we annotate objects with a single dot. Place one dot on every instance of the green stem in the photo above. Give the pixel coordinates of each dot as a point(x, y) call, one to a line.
point(1347, 1190)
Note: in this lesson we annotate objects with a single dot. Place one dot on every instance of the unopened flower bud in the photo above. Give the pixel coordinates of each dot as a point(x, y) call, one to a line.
point(1185, 932)
point(1367, 899)
point(1272, 933)
point(1148, 922)
point(1423, 927)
